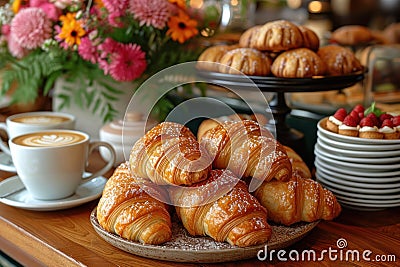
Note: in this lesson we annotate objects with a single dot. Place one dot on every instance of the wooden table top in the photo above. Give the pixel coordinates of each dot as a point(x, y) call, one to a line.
point(67, 238)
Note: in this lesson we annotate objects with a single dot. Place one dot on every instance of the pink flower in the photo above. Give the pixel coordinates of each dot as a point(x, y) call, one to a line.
point(87, 50)
point(116, 9)
point(151, 12)
point(107, 48)
point(51, 10)
point(30, 27)
point(15, 48)
point(128, 63)
point(5, 29)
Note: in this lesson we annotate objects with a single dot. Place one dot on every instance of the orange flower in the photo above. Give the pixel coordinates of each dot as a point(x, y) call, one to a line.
point(71, 30)
point(179, 3)
point(181, 27)
point(99, 3)
point(17, 4)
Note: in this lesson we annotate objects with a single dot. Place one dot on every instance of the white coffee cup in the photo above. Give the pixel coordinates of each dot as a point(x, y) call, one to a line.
point(51, 163)
point(28, 122)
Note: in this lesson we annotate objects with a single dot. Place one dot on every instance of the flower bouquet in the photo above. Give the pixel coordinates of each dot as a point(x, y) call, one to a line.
point(103, 41)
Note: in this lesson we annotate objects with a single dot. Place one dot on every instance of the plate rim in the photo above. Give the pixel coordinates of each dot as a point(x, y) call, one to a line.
point(280, 84)
point(356, 184)
point(357, 164)
point(337, 189)
point(353, 173)
point(357, 153)
point(52, 204)
point(381, 160)
point(196, 255)
point(357, 146)
point(358, 178)
point(354, 140)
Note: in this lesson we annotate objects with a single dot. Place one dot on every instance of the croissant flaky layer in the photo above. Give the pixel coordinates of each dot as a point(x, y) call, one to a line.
point(169, 154)
point(126, 209)
point(248, 150)
point(297, 200)
point(235, 217)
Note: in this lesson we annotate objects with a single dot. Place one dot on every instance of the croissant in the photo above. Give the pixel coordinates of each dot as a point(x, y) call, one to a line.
point(298, 165)
point(297, 200)
point(127, 210)
point(207, 124)
point(222, 207)
point(248, 150)
point(169, 154)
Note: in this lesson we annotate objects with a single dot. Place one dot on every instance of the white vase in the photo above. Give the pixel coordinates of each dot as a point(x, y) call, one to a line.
point(87, 120)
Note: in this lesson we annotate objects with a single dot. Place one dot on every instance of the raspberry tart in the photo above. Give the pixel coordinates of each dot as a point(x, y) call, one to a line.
point(334, 121)
point(349, 126)
point(369, 127)
point(388, 129)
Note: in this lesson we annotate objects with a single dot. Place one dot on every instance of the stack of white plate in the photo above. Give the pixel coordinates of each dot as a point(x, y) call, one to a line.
point(363, 174)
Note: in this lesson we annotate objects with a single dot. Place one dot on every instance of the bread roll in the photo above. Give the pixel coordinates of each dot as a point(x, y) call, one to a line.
point(245, 60)
point(274, 36)
point(339, 60)
point(352, 35)
point(298, 63)
point(211, 55)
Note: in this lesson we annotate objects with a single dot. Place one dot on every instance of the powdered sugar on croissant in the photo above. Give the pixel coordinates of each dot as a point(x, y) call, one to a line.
point(297, 200)
point(248, 150)
point(235, 217)
point(169, 154)
point(126, 209)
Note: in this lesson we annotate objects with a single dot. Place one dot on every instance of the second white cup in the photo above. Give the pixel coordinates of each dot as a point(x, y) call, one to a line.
point(28, 122)
point(51, 164)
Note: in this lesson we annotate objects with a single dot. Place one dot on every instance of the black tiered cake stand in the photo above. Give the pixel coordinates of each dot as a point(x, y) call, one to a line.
point(280, 86)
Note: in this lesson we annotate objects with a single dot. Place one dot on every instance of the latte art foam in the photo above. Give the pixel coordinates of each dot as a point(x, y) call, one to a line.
point(49, 139)
point(42, 119)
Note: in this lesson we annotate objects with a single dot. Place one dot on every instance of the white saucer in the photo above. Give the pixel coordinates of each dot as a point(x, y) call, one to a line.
point(339, 193)
point(22, 199)
point(353, 140)
point(358, 146)
point(6, 163)
point(329, 154)
point(360, 166)
point(357, 190)
point(364, 165)
point(327, 145)
point(321, 163)
point(359, 179)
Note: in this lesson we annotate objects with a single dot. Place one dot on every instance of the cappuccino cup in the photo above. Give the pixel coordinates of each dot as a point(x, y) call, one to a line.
point(51, 163)
point(28, 122)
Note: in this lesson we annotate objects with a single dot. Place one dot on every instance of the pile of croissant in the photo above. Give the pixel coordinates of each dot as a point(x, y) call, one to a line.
point(206, 181)
point(279, 48)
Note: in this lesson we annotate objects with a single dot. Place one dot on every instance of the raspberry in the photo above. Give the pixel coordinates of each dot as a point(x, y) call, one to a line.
point(374, 119)
point(396, 121)
point(350, 121)
point(340, 114)
point(361, 115)
point(354, 114)
point(388, 123)
point(359, 109)
point(366, 121)
point(384, 116)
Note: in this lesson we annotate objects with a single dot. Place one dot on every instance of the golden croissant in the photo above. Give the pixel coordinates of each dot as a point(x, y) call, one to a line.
point(299, 167)
point(248, 150)
point(297, 200)
point(169, 154)
point(127, 210)
point(224, 211)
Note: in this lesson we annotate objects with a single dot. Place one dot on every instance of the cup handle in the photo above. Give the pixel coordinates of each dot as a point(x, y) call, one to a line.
point(109, 164)
point(3, 145)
